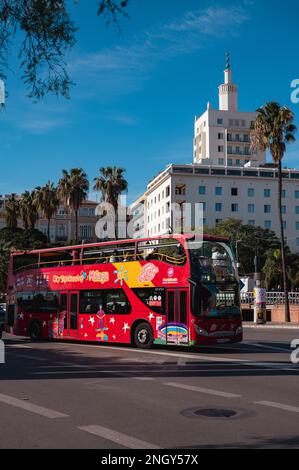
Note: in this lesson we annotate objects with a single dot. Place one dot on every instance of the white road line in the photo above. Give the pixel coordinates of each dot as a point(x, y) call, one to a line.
point(19, 346)
point(146, 379)
point(39, 410)
point(117, 437)
point(202, 390)
point(264, 346)
point(280, 406)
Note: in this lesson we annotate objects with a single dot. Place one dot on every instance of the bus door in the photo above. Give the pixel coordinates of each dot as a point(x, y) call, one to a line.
point(177, 330)
point(69, 307)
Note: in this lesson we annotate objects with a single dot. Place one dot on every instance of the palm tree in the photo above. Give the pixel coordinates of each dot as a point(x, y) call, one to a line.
point(73, 190)
point(273, 129)
point(47, 202)
point(11, 212)
point(28, 209)
point(111, 184)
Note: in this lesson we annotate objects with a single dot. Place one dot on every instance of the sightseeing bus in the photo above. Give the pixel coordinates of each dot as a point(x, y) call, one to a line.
point(169, 290)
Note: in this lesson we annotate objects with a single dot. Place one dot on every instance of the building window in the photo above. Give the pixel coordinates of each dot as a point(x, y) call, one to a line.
point(202, 190)
point(296, 194)
point(267, 192)
point(234, 192)
point(251, 222)
point(267, 209)
point(250, 192)
point(167, 207)
point(220, 136)
point(220, 161)
point(220, 148)
point(218, 221)
point(285, 224)
point(218, 207)
point(180, 190)
point(229, 162)
point(267, 224)
point(219, 122)
point(85, 231)
point(297, 209)
point(235, 207)
point(283, 194)
point(218, 191)
point(168, 191)
point(297, 225)
point(203, 205)
point(251, 208)
point(284, 209)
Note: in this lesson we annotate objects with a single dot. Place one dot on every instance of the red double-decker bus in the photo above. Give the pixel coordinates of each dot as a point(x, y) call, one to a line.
point(172, 290)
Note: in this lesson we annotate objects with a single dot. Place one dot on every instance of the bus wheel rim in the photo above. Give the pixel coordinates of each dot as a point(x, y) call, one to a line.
point(143, 336)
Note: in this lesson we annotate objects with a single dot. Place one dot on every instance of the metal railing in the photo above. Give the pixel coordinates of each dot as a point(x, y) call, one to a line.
point(273, 298)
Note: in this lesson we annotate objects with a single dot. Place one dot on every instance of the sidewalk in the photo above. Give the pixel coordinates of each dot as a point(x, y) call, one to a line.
point(287, 326)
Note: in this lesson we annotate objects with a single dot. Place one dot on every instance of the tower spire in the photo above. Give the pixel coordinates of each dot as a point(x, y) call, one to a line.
point(227, 60)
point(228, 92)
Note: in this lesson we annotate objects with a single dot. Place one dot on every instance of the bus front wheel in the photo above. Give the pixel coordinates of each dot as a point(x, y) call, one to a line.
point(143, 336)
point(35, 332)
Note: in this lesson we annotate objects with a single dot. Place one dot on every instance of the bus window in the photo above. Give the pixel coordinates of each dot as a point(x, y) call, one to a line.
point(170, 307)
point(153, 298)
point(90, 301)
point(117, 302)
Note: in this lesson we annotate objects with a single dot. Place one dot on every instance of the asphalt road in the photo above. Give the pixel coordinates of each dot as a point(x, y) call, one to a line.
point(65, 395)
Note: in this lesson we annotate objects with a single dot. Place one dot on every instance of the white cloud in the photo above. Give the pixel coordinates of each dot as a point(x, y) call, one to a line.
point(183, 35)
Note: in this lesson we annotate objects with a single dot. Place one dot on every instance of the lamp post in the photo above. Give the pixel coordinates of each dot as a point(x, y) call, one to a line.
point(260, 293)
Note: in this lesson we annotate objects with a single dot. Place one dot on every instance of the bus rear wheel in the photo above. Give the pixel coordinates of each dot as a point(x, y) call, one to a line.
point(143, 336)
point(35, 332)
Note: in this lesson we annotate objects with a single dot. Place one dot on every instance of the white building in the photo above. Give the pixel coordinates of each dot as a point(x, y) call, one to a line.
point(138, 213)
point(222, 136)
point(247, 194)
point(225, 177)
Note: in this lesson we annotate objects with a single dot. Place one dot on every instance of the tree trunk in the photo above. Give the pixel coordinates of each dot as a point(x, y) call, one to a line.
point(116, 221)
point(49, 241)
point(76, 225)
point(283, 257)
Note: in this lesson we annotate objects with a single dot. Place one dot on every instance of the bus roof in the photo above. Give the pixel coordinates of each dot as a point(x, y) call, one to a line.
point(179, 237)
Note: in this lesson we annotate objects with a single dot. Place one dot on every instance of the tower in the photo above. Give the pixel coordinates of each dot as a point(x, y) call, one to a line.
point(228, 92)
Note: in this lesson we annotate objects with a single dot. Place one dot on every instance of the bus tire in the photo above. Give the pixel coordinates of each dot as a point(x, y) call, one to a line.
point(143, 336)
point(35, 331)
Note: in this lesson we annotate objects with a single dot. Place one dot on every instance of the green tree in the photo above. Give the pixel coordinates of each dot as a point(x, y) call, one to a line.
point(47, 202)
point(11, 212)
point(28, 209)
point(73, 190)
point(248, 239)
point(43, 32)
point(111, 184)
point(273, 129)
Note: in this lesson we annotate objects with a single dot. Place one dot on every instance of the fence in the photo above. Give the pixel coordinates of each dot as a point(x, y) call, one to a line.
point(273, 298)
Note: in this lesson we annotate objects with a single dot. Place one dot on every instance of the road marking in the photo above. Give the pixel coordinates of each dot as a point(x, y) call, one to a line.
point(281, 406)
point(143, 378)
point(118, 437)
point(39, 410)
point(19, 346)
point(264, 346)
point(202, 390)
point(27, 356)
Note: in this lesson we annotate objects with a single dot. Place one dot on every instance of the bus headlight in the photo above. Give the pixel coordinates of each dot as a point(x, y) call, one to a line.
point(200, 331)
point(239, 331)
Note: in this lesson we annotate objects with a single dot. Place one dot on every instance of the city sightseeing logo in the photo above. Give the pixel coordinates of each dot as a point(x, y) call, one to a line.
point(100, 277)
point(147, 273)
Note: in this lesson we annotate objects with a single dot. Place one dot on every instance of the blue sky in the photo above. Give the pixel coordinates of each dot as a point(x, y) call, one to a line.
point(138, 90)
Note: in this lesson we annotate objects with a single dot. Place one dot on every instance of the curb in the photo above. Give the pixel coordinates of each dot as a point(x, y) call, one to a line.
point(275, 326)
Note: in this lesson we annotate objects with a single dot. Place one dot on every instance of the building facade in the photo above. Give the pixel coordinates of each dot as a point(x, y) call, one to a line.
point(226, 177)
point(63, 226)
point(222, 136)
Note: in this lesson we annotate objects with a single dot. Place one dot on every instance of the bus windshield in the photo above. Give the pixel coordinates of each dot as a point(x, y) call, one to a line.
point(214, 280)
